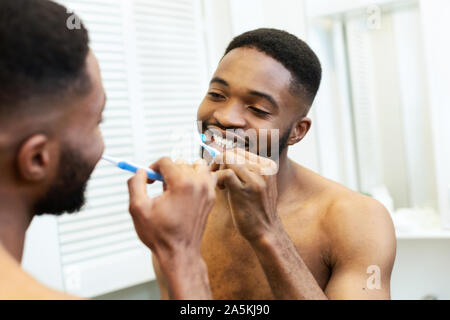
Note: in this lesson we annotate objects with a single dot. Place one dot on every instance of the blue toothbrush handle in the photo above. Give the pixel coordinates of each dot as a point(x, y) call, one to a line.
point(150, 173)
point(212, 152)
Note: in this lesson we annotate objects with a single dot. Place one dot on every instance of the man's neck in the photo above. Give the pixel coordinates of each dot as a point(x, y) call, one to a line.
point(15, 218)
point(286, 172)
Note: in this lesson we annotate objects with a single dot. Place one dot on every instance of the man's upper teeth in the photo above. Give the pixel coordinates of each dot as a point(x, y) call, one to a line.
point(224, 142)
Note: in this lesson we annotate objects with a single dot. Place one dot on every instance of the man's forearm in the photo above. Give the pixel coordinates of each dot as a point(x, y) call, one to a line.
point(187, 277)
point(287, 274)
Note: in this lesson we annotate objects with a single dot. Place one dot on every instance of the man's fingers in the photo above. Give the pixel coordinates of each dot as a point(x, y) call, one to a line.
point(245, 173)
point(215, 178)
point(228, 157)
point(266, 166)
point(237, 156)
point(214, 165)
point(200, 163)
point(234, 156)
point(137, 184)
point(201, 168)
point(227, 178)
point(169, 170)
point(181, 162)
point(137, 188)
point(254, 158)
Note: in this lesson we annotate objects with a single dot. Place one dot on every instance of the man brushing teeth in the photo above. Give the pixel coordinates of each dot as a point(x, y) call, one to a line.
point(291, 234)
point(255, 141)
point(223, 141)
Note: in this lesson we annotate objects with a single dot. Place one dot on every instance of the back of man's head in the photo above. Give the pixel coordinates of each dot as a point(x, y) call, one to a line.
point(51, 101)
point(40, 57)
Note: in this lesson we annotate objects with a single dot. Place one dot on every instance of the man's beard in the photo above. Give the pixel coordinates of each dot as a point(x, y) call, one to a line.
point(67, 191)
point(284, 140)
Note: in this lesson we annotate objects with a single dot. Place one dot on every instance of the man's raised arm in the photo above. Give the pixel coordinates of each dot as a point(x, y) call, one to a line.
point(172, 224)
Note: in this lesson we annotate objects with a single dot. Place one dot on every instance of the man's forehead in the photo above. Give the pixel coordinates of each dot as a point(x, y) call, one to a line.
point(254, 69)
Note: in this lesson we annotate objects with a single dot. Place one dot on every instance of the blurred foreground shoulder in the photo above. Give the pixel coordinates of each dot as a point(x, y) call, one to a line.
point(16, 284)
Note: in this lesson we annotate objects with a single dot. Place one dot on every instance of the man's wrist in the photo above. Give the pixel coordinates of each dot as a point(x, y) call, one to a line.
point(179, 260)
point(269, 238)
point(186, 274)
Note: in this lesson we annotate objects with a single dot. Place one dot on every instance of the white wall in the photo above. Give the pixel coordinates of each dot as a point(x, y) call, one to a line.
point(422, 268)
point(435, 26)
point(415, 108)
point(329, 7)
point(389, 122)
point(331, 110)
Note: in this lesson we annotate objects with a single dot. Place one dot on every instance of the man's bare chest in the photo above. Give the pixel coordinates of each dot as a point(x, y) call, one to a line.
point(233, 268)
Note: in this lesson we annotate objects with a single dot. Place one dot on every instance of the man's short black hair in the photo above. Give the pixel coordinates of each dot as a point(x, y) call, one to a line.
point(40, 56)
point(294, 54)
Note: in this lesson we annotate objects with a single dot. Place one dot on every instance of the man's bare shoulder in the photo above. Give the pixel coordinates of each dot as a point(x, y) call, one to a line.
point(352, 216)
point(16, 284)
point(352, 221)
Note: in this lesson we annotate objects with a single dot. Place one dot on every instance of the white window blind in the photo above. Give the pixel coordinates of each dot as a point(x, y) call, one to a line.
point(151, 54)
point(361, 75)
point(172, 71)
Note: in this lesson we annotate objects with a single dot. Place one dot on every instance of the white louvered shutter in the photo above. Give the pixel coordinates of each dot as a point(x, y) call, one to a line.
point(172, 73)
point(151, 55)
point(361, 74)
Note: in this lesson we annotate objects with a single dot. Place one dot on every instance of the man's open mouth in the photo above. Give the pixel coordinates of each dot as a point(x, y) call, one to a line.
point(221, 143)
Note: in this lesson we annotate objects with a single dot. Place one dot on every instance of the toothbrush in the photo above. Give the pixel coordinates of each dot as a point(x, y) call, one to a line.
point(213, 152)
point(128, 166)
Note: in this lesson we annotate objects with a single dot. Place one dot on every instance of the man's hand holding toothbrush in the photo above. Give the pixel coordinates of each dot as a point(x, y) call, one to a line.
point(172, 224)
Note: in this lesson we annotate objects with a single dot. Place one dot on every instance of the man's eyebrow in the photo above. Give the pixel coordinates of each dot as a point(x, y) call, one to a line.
point(263, 95)
point(219, 80)
point(266, 96)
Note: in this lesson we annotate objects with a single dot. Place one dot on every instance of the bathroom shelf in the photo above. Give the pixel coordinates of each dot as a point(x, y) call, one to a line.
point(425, 234)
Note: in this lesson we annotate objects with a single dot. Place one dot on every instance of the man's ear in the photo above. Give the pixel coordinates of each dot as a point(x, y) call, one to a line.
point(299, 130)
point(33, 160)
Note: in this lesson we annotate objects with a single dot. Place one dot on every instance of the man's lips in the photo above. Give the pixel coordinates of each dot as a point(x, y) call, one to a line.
point(228, 134)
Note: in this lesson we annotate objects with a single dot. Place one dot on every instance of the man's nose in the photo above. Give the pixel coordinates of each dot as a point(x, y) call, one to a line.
point(230, 115)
